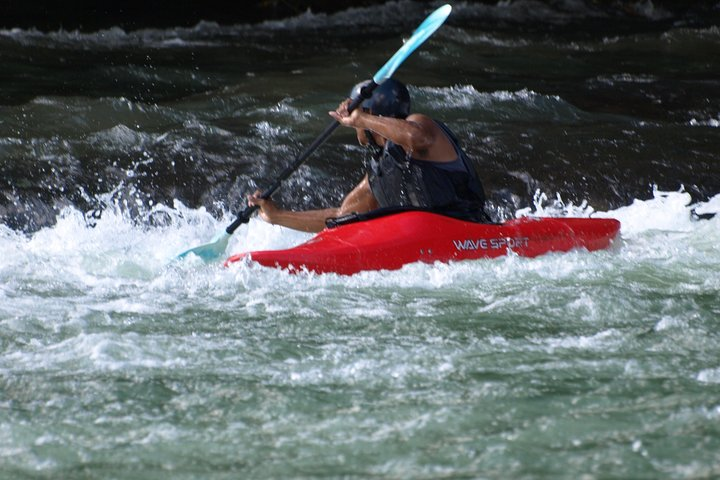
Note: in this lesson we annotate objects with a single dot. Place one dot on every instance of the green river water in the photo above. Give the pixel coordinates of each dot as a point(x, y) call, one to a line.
point(121, 149)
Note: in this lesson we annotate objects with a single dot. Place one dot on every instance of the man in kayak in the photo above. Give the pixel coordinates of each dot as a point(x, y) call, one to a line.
point(418, 163)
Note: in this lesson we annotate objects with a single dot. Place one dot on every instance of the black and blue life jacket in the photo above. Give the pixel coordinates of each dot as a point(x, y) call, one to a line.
point(399, 180)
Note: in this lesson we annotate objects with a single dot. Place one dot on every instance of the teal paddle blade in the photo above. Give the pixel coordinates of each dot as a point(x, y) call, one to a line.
point(422, 33)
point(210, 251)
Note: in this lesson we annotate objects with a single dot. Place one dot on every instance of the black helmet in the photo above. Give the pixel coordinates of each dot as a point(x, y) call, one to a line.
point(389, 99)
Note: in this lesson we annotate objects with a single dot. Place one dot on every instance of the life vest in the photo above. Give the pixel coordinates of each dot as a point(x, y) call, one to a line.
point(399, 180)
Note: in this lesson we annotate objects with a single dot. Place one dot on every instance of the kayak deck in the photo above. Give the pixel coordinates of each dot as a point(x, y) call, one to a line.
point(389, 242)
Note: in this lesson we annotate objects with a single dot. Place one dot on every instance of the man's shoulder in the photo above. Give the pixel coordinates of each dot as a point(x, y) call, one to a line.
point(427, 123)
point(419, 118)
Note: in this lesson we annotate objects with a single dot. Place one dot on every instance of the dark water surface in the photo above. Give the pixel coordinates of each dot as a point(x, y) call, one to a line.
point(566, 101)
point(119, 149)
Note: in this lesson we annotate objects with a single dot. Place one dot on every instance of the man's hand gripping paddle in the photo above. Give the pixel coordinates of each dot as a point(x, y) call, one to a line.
point(216, 248)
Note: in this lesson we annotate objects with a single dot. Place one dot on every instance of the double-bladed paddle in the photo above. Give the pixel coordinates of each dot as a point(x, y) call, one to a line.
point(216, 248)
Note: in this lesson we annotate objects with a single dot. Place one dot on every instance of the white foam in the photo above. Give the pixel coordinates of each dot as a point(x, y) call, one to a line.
point(601, 340)
point(544, 207)
point(709, 375)
point(666, 211)
point(712, 122)
point(106, 351)
point(500, 105)
point(712, 206)
point(121, 253)
point(203, 34)
point(669, 323)
point(627, 78)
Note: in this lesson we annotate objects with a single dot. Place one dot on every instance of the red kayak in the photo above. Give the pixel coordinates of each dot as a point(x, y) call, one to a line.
point(389, 242)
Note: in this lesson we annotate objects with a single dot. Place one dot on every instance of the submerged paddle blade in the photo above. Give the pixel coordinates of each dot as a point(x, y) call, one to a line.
point(210, 251)
point(422, 33)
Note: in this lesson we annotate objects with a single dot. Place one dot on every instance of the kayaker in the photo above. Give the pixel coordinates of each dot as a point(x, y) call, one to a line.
point(417, 163)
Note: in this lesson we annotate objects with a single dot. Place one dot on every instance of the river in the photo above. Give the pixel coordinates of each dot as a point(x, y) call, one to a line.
point(120, 149)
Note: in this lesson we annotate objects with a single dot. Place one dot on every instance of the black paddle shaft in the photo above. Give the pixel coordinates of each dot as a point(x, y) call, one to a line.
point(244, 216)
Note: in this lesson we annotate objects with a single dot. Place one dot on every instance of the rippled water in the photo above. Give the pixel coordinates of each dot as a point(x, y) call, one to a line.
point(121, 149)
point(117, 364)
point(568, 100)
